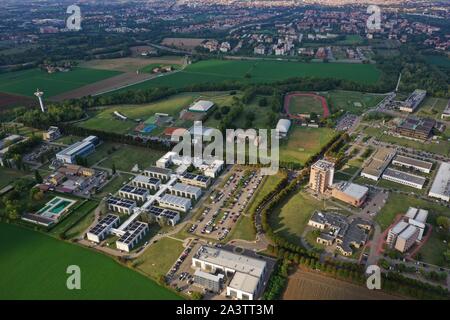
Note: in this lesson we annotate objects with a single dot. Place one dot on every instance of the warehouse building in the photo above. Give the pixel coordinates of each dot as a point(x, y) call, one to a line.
point(201, 106)
point(411, 163)
point(416, 128)
point(283, 127)
point(379, 162)
point(146, 182)
point(175, 203)
point(159, 173)
point(350, 193)
point(441, 184)
point(212, 282)
point(102, 229)
point(134, 193)
point(195, 180)
point(246, 273)
point(407, 238)
point(186, 191)
point(78, 149)
point(404, 178)
point(133, 234)
point(321, 176)
point(121, 205)
point(413, 101)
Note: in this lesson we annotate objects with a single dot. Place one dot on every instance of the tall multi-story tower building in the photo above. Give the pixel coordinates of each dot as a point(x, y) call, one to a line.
point(322, 175)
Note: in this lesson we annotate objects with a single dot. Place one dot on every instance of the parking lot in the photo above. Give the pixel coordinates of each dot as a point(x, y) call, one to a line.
point(227, 205)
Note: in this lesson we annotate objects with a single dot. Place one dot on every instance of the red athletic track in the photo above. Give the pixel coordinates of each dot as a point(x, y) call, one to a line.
point(323, 101)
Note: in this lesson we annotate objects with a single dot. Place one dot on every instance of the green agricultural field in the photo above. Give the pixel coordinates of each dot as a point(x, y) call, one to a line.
point(26, 82)
point(352, 101)
point(261, 71)
point(34, 267)
point(157, 260)
point(303, 143)
point(399, 204)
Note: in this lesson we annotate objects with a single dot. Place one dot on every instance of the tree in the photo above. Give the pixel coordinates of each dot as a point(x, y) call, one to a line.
point(113, 168)
point(263, 102)
point(443, 222)
point(37, 176)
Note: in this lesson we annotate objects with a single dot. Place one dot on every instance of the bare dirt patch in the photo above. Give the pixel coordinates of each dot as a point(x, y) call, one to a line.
point(10, 100)
point(305, 285)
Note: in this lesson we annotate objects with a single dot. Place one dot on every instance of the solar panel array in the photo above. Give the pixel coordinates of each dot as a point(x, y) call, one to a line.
point(133, 190)
point(196, 177)
point(160, 212)
point(121, 202)
point(132, 232)
point(175, 200)
point(105, 223)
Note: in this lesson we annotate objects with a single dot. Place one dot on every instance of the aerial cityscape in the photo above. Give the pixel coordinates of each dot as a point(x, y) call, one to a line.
point(225, 150)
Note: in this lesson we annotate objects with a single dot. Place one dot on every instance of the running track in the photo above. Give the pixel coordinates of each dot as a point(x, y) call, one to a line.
point(323, 101)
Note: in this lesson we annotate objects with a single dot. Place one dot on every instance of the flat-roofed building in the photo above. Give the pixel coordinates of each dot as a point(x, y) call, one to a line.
point(175, 203)
point(413, 101)
point(172, 217)
point(407, 238)
point(195, 180)
point(283, 127)
point(102, 229)
point(121, 205)
point(134, 193)
point(350, 193)
point(185, 190)
point(78, 149)
point(394, 232)
point(379, 162)
point(146, 182)
point(411, 163)
point(133, 234)
point(446, 113)
point(321, 176)
point(441, 184)
point(212, 282)
point(51, 134)
point(246, 273)
point(157, 172)
point(201, 106)
point(404, 178)
point(417, 217)
point(416, 128)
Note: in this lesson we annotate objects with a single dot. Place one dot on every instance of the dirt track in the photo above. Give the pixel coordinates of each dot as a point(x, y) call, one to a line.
point(304, 285)
point(323, 101)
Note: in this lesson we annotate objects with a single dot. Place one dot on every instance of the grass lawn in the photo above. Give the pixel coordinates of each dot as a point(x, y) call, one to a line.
point(25, 82)
point(346, 100)
point(305, 105)
point(303, 143)
point(399, 204)
point(268, 185)
point(432, 108)
point(70, 139)
point(243, 230)
point(217, 71)
point(114, 185)
point(433, 251)
point(125, 157)
point(157, 260)
point(9, 175)
point(34, 267)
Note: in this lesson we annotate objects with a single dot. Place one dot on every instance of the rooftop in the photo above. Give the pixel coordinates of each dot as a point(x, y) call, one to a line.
point(323, 165)
point(414, 162)
point(176, 200)
point(244, 282)
point(201, 106)
point(353, 190)
point(404, 176)
point(441, 184)
point(408, 232)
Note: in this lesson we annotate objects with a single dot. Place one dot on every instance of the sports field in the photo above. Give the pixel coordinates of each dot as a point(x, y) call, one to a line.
point(352, 101)
point(217, 71)
point(26, 82)
point(305, 103)
point(304, 142)
point(34, 267)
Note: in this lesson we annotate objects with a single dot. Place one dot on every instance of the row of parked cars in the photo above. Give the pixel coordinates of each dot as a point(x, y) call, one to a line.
point(178, 263)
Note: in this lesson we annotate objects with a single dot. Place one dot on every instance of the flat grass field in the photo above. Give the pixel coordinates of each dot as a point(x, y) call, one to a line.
point(34, 267)
point(261, 71)
point(305, 105)
point(27, 81)
point(432, 108)
point(350, 100)
point(304, 142)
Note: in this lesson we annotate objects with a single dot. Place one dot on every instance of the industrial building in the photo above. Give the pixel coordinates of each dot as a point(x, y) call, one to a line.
point(187, 191)
point(416, 128)
point(146, 182)
point(212, 282)
point(379, 162)
point(322, 175)
point(133, 234)
point(441, 184)
point(175, 203)
point(283, 127)
point(404, 178)
point(246, 273)
point(134, 193)
point(102, 229)
point(121, 205)
point(158, 172)
point(413, 101)
point(201, 106)
point(350, 193)
point(411, 163)
point(195, 180)
point(78, 149)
